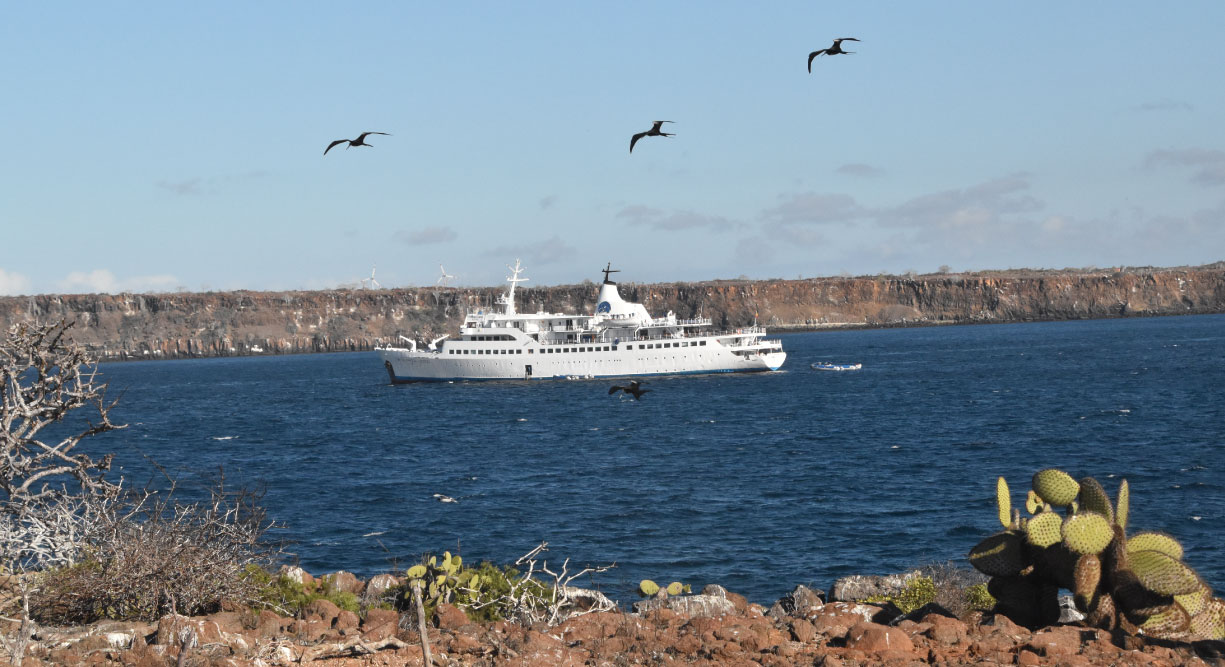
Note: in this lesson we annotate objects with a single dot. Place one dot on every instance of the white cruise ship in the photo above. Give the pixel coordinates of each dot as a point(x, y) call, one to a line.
point(620, 340)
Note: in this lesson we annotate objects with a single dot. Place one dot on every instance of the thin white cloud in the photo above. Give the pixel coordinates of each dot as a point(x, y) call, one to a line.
point(189, 187)
point(197, 186)
point(427, 236)
point(1163, 105)
point(1208, 165)
point(859, 169)
point(12, 283)
point(549, 251)
point(814, 208)
point(103, 281)
point(674, 220)
point(975, 206)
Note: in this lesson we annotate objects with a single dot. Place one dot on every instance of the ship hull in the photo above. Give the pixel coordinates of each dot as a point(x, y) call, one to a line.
point(405, 365)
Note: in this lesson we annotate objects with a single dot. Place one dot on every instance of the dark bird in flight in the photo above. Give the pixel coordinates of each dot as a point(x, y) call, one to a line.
point(653, 132)
point(359, 141)
point(635, 389)
point(831, 51)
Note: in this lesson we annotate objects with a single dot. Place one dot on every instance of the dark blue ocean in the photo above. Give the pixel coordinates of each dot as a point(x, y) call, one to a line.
point(757, 482)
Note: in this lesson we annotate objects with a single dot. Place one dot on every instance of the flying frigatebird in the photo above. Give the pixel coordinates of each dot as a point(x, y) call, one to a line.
point(653, 132)
point(834, 50)
point(359, 141)
point(634, 389)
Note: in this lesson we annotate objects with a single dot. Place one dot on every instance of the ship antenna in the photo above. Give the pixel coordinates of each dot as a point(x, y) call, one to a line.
point(607, 270)
point(508, 301)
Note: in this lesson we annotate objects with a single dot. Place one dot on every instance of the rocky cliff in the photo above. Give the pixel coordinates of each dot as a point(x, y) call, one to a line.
point(162, 326)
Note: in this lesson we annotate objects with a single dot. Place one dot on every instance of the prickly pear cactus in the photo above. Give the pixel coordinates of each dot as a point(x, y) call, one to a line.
point(1077, 540)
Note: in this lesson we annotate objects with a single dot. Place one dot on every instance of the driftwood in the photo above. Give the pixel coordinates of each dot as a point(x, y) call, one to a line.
point(350, 648)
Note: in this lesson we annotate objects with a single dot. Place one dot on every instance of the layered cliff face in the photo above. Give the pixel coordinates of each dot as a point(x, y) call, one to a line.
point(165, 326)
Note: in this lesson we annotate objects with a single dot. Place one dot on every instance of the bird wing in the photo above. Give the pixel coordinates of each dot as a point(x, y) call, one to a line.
point(333, 144)
point(635, 138)
point(659, 123)
point(812, 55)
point(614, 389)
point(847, 39)
point(363, 135)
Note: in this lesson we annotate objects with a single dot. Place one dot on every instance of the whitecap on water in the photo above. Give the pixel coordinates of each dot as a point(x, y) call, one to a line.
point(224, 437)
point(381, 532)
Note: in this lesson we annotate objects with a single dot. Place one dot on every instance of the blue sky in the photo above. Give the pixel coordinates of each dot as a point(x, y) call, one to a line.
point(169, 146)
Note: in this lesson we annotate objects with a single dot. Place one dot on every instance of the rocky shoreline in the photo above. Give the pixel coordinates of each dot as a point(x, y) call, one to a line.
point(243, 323)
point(715, 627)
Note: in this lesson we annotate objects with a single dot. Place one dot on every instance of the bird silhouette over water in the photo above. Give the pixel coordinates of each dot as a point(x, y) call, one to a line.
point(359, 141)
point(653, 132)
point(834, 50)
point(634, 389)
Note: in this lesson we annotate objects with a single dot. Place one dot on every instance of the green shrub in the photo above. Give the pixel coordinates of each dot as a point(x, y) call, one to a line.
point(977, 598)
point(284, 595)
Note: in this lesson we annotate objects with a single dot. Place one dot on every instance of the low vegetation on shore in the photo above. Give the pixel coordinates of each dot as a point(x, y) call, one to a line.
point(96, 573)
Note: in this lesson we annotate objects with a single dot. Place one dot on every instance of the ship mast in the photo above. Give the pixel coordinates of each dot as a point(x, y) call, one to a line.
point(508, 301)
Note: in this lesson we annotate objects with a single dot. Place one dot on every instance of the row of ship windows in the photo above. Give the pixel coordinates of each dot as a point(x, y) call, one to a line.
point(605, 348)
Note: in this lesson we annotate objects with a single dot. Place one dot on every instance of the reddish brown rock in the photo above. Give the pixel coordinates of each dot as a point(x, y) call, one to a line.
point(802, 630)
point(944, 630)
point(346, 582)
point(1055, 642)
point(324, 610)
point(380, 624)
point(296, 574)
point(450, 617)
point(345, 621)
point(380, 583)
point(874, 638)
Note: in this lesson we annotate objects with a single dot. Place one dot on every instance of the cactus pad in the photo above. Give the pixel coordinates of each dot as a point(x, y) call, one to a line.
point(1056, 487)
point(1001, 555)
point(1170, 620)
point(416, 572)
point(1162, 574)
point(1210, 623)
point(1155, 542)
point(1088, 575)
point(1032, 502)
point(648, 588)
point(1087, 533)
point(1043, 530)
point(1093, 498)
point(1003, 501)
point(1196, 602)
point(1122, 506)
point(676, 588)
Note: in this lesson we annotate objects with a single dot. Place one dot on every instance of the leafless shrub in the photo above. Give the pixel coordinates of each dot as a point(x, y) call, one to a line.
point(951, 584)
point(73, 545)
point(156, 555)
point(532, 600)
point(50, 495)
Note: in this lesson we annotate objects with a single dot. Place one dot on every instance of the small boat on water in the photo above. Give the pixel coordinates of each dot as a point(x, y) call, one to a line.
point(827, 366)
